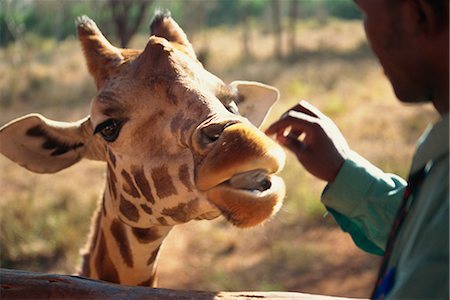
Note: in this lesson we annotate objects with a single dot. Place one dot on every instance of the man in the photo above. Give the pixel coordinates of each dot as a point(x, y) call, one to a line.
point(407, 222)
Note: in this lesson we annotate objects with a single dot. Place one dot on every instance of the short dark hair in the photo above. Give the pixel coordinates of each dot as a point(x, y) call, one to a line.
point(439, 6)
point(441, 9)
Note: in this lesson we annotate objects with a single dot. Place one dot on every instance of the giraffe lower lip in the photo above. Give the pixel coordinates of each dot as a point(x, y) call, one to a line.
point(254, 181)
point(258, 190)
point(246, 208)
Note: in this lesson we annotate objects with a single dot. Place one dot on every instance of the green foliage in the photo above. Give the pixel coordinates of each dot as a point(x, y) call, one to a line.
point(230, 12)
point(342, 9)
point(48, 18)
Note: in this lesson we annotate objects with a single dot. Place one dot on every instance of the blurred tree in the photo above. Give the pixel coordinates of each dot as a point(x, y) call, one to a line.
point(277, 28)
point(193, 17)
point(246, 30)
point(12, 18)
point(344, 9)
point(293, 17)
point(54, 18)
point(230, 12)
point(128, 16)
point(238, 12)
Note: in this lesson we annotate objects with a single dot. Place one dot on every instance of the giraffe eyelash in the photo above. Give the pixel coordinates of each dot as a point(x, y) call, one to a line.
point(109, 129)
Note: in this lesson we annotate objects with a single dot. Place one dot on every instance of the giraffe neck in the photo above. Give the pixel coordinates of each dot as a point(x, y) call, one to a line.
point(120, 253)
point(138, 210)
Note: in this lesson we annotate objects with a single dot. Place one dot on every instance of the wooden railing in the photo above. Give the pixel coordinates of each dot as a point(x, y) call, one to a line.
point(16, 284)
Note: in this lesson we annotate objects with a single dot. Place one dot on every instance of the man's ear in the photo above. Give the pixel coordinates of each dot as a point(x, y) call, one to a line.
point(45, 146)
point(428, 18)
point(255, 100)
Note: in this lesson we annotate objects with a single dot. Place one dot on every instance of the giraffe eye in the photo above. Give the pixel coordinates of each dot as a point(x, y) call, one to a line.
point(109, 130)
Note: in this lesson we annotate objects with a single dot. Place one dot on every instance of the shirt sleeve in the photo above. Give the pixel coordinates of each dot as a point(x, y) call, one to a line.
point(364, 201)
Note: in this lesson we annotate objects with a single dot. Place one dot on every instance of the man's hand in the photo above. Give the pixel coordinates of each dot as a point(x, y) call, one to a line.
point(313, 138)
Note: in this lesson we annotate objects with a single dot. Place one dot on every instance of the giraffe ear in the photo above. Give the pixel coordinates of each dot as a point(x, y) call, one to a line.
point(101, 56)
point(164, 26)
point(255, 100)
point(45, 146)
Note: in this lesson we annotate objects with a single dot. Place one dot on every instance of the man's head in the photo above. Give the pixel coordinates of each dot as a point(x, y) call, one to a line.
point(410, 39)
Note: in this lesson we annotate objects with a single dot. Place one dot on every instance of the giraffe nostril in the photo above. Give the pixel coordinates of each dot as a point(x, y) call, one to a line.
point(212, 132)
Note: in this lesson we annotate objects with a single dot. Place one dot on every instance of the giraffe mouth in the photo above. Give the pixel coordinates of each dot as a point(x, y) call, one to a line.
point(255, 184)
point(238, 175)
point(248, 198)
point(254, 181)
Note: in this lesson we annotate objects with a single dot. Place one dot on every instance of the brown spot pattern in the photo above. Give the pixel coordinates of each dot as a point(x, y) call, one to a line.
point(141, 135)
point(147, 282)
point(128, 209)
point(147, 209)
point(112, 158)
point(142, 183)
point(153, 256)
point(112, 180)
point(163, 221)
point(146, 235)
point(92, 242)
point(163, 182)
point(183, 174)
point(176, 123)
point(171, 96)
point(155, 117)
point(182, 212)
point(128, 186)
point(105, 267)
point(182, 124)
point(120, 235)
point(151, 281)
point(187, 124)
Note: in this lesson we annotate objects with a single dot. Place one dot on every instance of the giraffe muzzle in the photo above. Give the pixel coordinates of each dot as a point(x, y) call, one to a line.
point(242, 153)
point(238, 175)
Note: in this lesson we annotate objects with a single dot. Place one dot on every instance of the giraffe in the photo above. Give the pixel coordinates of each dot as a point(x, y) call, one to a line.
point(179, 145)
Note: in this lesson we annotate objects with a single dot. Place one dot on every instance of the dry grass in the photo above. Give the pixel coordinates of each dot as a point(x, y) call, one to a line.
point(45, 218)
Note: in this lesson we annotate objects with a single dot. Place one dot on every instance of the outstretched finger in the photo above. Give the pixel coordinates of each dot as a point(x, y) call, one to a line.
point(300, 107)
point(298, 121)
point(309, 109)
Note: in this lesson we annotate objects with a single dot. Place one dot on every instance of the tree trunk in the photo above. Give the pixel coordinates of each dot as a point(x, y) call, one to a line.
point(16, 284)
point(246, 38)
point(293, 16)
point(126, 27)
point(277, 30)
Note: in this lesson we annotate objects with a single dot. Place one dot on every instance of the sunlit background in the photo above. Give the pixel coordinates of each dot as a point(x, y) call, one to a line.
point(308, 49)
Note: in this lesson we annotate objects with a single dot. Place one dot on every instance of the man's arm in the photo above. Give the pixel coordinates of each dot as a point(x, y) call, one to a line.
point(362, 198)
point(364, 201)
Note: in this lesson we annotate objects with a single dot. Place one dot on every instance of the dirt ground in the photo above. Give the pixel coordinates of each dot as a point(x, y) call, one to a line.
point(337, 268)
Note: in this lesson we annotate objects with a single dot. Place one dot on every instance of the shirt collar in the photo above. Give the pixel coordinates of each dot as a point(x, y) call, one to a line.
point(433, 144)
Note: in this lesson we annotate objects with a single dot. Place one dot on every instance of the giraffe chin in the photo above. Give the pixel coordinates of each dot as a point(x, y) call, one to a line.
point(247, 208)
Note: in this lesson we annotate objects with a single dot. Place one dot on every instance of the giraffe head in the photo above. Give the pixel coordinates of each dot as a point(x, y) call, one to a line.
point(179, 143)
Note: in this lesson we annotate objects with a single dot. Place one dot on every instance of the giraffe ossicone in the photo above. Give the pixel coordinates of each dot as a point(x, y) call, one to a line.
point(179, 144)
